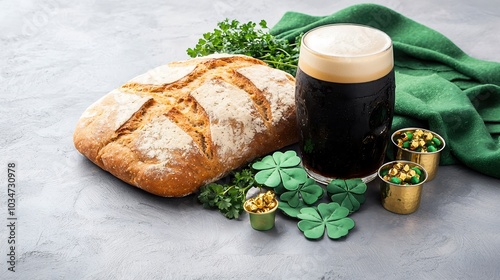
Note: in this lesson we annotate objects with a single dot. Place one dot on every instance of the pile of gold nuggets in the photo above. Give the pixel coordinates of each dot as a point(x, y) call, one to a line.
point(262, 203)
point(419, 141)
point(402, 174)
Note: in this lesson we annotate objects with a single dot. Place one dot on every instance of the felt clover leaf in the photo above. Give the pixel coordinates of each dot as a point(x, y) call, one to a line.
point(292, 211)
point(309, 192)
point(348, 193)
point(280, 168)
point(331, 216)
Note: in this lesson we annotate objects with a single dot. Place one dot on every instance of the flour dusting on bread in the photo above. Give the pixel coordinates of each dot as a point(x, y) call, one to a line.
point(159, 138)
point(275, 86)
point(164, 74)
point(125, 106)
point(234, 121)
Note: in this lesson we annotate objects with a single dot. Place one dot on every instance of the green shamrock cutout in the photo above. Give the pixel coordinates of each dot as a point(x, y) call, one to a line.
point(292, 211)
point(309, 192)
point(348, 193)
point(331, 216)
point(280, 168)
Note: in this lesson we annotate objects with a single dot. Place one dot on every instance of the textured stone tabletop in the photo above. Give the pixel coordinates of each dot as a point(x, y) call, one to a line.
point(75, 221)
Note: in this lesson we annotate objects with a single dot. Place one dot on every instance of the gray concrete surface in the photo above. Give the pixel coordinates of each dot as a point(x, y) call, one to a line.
point(75, 221)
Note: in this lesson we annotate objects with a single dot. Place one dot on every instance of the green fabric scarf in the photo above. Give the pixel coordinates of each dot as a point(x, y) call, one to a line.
point(438, 86)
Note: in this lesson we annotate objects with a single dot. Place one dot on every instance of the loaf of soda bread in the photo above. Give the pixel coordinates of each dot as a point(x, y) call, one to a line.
point(186, 124)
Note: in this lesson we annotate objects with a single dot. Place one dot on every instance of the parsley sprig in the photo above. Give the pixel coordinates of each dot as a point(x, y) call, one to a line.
point(234, 37)
point(229, 198)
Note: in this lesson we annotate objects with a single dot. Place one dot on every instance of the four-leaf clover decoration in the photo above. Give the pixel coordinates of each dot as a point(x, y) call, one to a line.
point(280, 168)
point(331, 216)
point(347, 193)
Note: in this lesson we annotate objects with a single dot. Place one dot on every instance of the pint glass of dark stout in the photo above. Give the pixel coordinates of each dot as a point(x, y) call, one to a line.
point(345, 101)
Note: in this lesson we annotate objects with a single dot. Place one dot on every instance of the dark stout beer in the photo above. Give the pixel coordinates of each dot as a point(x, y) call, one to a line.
point(345, 101)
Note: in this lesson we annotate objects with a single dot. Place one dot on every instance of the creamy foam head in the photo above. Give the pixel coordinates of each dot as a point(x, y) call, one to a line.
point(346, 53)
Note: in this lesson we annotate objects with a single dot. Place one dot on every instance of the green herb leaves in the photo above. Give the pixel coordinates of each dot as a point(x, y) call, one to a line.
point(246, 38)
point(228, 198)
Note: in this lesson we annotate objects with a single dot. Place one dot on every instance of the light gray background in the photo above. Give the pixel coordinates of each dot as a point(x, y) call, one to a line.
point(76, 221)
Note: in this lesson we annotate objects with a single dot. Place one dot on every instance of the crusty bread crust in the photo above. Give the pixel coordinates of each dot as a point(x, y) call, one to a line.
point(186, 124)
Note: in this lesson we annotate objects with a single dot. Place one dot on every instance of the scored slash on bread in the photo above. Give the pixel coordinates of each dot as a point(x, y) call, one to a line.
point(185, 124)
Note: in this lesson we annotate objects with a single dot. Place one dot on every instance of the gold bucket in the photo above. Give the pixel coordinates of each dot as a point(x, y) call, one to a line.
point(262, 221)
point(397, 198)
point(428, 160)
